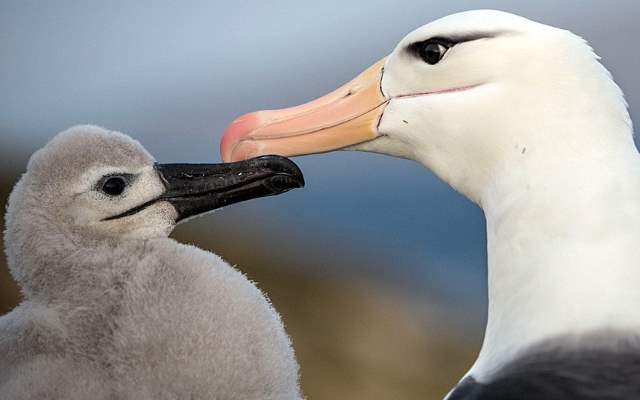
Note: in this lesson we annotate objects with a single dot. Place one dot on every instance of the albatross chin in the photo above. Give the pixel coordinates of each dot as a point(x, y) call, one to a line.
point(523, 120)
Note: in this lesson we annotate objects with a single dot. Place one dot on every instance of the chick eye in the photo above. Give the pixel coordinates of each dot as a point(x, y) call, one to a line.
point(432, 52)
point(114, 185)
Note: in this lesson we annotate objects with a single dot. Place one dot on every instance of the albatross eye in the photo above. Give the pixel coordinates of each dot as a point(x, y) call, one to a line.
point(114, 185)
point(432, 52)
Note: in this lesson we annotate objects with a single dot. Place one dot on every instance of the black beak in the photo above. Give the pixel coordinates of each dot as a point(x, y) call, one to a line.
point(197, 188)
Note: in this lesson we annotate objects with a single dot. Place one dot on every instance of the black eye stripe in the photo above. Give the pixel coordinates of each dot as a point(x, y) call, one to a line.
point(417, 47)
point(439, 40)
point(450, 41)
point(433, 50)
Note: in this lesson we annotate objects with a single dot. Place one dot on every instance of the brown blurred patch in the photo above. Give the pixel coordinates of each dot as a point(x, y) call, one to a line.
point(353, 340)
point(9, 292)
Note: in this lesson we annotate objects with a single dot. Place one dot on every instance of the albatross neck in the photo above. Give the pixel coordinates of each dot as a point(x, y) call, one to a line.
point(563, 235)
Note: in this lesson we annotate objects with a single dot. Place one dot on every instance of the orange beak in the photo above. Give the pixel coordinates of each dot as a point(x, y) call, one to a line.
point(344, 117)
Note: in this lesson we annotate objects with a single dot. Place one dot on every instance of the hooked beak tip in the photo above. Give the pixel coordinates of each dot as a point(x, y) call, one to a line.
point(287, 174)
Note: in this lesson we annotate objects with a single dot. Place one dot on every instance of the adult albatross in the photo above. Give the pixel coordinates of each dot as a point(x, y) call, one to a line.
point(523, 120)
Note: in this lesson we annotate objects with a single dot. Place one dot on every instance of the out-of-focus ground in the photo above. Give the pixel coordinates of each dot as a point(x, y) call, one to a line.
point(353, 340)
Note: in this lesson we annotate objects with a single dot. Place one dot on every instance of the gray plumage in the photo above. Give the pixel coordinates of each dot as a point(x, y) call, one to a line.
point(116, 309)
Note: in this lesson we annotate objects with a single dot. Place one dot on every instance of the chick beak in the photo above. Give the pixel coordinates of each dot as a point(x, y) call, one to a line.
point(194, 189)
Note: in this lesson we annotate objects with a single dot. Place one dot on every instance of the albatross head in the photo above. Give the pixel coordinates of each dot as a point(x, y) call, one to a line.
point(464, 95)
point(89, 187)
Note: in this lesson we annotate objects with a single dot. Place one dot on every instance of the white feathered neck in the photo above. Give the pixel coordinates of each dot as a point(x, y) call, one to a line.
point(563, 225)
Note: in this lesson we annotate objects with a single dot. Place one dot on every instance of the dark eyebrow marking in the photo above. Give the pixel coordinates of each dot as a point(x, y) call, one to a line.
point(452, 40)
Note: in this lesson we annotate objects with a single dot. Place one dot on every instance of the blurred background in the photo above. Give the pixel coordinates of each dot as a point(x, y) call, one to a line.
point(377, 267)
